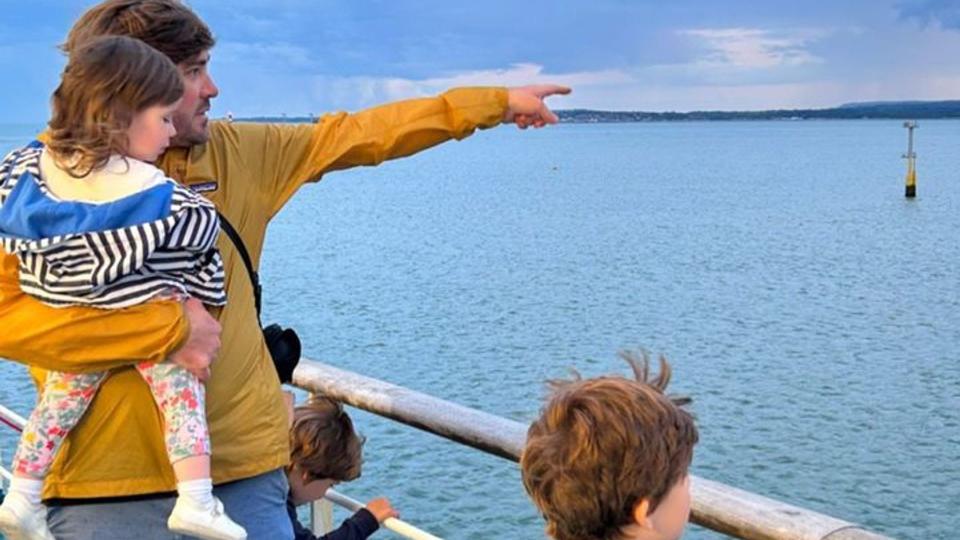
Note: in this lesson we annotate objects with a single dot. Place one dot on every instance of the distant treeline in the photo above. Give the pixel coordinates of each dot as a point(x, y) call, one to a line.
point(890, 110)
point(850, 111)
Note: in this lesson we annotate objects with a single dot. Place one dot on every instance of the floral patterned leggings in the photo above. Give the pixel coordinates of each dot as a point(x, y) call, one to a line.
point(65, 398)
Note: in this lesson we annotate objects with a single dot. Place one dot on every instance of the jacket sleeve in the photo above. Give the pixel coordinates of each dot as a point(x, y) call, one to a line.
point(357, 527)
point(297, 153)
point(80, 339)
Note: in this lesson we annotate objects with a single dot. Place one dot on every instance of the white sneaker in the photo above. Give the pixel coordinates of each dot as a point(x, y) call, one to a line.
point(211, 524)
point(20, 520)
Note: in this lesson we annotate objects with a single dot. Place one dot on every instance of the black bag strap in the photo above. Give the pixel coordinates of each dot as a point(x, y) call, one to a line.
point(242, 249)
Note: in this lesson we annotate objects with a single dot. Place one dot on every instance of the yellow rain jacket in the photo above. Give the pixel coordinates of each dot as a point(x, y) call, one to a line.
point(249, 171)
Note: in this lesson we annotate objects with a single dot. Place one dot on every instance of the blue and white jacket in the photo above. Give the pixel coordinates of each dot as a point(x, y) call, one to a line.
point(107, 255)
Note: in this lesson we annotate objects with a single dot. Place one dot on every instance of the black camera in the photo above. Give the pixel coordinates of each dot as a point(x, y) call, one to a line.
point(284, 346)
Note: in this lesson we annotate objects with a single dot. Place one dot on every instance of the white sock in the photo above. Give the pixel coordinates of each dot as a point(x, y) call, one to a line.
point(198, 492)
point(29, 488)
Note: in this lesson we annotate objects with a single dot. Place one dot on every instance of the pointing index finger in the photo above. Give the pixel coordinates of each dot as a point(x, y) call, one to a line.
point(551, 90)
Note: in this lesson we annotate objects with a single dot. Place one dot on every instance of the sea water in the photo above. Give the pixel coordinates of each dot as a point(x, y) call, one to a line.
point(811, 311)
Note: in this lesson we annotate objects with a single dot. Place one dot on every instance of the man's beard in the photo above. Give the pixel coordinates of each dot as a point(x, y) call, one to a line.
point(187, 134)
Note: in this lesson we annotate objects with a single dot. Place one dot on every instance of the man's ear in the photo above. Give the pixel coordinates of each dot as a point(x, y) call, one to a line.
point(641, 512)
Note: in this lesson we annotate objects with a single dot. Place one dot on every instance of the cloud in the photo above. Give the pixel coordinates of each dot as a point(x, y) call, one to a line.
point(528, 73)
point(358, 92)
point(642, 89)
point(750, 48)
point(714, 68)
point(945, 13)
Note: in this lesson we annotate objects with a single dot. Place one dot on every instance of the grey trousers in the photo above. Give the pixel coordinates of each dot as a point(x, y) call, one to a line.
point(259, 504)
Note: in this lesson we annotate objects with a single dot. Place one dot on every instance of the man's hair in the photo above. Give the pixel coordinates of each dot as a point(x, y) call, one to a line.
point(323, 442)
point(601, 445)
point(166, 25)
point(105, 83)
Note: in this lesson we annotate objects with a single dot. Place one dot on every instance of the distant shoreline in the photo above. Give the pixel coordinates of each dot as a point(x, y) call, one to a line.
point(902, 110)
point(890, 110)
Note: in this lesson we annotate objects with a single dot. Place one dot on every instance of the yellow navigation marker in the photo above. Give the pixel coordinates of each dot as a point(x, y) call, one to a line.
point(911, 157)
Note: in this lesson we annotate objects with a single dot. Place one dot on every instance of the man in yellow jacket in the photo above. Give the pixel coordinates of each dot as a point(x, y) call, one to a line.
point(112, 478)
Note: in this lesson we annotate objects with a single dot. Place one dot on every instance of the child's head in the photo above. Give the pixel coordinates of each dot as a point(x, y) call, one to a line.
point(171, 27)
point(608, 457)
point(116, 96)
point(324, 449)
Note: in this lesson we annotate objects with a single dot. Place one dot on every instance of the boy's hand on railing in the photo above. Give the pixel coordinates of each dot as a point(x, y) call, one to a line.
point(381, 509)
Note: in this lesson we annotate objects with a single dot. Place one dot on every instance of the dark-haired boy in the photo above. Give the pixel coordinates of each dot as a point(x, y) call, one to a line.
point(324, 451)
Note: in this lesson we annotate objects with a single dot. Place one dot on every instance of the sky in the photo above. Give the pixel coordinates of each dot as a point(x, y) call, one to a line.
point(301, 57)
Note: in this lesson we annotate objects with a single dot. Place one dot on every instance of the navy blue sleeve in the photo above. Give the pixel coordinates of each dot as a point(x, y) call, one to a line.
point(357, 527)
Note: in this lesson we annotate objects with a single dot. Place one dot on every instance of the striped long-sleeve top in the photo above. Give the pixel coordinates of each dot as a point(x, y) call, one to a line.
point(112, 254)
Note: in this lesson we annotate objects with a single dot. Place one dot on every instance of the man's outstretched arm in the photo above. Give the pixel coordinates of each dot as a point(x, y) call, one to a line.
point(289, 155)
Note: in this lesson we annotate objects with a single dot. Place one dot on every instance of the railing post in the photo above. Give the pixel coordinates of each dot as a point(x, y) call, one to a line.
point(321, 513)
point(321, 517)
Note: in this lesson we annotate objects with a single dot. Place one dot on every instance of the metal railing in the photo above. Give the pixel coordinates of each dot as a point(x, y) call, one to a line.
point(715, 505)
point(15, 422)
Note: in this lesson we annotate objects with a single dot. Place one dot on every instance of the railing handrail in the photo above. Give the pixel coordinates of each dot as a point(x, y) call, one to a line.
point(15, 422)
point(714, 505)
point(12, 419)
